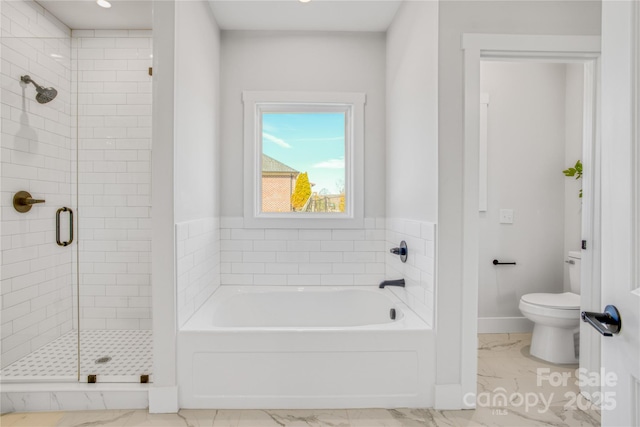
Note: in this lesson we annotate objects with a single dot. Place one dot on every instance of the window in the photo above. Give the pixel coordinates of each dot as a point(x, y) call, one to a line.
point(303, 159)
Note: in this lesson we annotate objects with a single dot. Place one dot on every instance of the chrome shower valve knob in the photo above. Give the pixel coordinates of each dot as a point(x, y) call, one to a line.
point(402, 251)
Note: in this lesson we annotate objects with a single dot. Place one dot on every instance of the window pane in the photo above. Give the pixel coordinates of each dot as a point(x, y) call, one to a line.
point(303, 162)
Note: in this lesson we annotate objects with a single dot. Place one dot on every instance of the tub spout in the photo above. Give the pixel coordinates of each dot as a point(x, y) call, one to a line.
point(399, 282)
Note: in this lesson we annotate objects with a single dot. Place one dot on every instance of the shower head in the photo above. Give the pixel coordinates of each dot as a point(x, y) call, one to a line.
point(45, 94)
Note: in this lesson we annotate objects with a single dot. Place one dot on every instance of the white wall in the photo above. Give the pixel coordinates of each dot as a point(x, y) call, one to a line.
point(302, 61)
point(412, 113)
point(114, 175)
point(456, 18)
point(164, 394)
point(186, 177)
point(574, 106)
point(411, 196)
point(197, 155)
point(37, 153)
point(197, 112)
point(526, 156)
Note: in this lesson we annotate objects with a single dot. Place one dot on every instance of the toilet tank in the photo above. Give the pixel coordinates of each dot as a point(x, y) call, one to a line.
point(574, 271)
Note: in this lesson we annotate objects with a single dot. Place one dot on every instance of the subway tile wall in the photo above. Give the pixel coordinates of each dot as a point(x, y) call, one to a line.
point(197, 264)
point(419, 271)
point(36, 156)
point(114, 175)
point(302, 257)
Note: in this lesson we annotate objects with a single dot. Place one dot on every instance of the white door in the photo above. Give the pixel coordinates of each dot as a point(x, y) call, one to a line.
point(621, 209)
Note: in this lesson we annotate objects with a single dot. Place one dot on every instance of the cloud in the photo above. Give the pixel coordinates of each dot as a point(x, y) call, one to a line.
point(275, 140)
point(332, 138)
point(330, 164)
point(269, 127)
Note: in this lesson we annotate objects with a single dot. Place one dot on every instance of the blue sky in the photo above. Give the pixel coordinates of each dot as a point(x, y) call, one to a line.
point(307, 142)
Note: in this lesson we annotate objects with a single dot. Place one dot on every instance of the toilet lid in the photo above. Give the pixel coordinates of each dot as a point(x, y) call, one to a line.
point(567, 300)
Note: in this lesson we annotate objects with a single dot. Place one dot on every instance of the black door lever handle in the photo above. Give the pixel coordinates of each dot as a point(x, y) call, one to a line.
point(607, 323)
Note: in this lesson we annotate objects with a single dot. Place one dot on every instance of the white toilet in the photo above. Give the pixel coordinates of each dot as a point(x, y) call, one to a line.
point(556, 318)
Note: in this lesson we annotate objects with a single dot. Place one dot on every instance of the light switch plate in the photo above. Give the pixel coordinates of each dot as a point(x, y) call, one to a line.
point(506, 216)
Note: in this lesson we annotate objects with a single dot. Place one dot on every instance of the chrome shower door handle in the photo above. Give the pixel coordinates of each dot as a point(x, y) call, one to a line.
point(58, 212)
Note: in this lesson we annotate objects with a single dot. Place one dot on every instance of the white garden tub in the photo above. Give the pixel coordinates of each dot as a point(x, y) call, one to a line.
point(305, 347)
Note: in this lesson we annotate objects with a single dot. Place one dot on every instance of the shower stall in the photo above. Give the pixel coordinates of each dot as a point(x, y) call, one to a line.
point(76, 201)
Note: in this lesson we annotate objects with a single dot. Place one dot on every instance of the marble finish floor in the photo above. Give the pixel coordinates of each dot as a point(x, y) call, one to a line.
point(504, 369)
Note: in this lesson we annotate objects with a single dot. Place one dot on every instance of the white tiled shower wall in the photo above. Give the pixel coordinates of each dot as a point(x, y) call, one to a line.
point(419, 270)
point(37, 153)
point(301, 257)
point(197, 264)
point(114, 175)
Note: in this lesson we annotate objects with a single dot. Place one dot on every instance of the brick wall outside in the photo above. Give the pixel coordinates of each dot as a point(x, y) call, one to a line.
point(276, 193)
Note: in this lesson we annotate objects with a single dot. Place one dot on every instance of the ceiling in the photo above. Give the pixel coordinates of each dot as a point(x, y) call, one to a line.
point(87, 15)
point(318, 15)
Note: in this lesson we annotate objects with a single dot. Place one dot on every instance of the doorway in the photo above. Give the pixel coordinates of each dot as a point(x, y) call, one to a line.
point(479, 47)
point(529, 212)
point(529, 231)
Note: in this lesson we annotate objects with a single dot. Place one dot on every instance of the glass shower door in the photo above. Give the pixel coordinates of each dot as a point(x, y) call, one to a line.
point(113, 86)
point(76, 287)
point(38, 293)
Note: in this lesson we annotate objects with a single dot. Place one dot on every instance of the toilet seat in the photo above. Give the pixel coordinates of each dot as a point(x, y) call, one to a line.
point(564, 301)
point(540, 313)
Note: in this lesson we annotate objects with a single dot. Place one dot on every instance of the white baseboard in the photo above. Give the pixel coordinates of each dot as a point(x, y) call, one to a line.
point(504, 325)
point(163, 400)
point(448, 396)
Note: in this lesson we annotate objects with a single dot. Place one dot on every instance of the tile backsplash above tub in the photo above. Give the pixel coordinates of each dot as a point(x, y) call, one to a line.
point(302, 257)
point(198, 264)
point(333, 257)
point(419, 270)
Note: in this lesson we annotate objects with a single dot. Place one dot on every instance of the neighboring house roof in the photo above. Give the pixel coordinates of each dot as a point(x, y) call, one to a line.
point(271, 165)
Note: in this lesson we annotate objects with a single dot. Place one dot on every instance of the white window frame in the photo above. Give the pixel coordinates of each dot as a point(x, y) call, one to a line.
point(352, 104)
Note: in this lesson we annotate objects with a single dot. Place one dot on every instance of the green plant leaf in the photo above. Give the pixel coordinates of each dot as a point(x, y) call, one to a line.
point(575, 171)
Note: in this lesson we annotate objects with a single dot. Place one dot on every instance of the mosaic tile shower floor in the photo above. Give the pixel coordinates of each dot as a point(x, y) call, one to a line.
point(131, 354)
